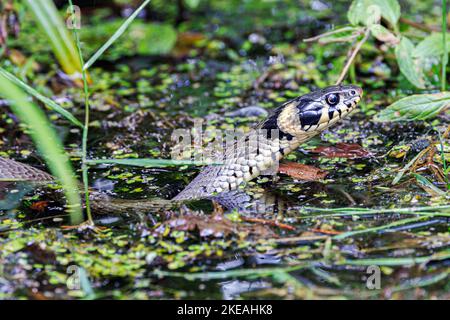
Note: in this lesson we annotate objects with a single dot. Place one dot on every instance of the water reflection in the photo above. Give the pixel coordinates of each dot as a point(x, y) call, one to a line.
point(12, 193)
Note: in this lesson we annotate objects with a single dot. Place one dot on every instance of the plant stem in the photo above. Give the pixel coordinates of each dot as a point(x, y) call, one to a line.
point(353, 56)
point(84, 165)
point(444, 43)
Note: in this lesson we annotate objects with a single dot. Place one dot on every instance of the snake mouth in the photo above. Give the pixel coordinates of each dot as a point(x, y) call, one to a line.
point(352, 102)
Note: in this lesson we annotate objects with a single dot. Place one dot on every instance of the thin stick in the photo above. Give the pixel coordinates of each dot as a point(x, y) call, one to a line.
point(353, 56)
point(84, 165)
point(419, 25)
point(329, 33)
point(269, 222)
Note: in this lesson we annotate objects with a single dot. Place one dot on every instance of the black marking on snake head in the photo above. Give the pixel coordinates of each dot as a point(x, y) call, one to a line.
point(310, 112)
point(310, 118)
point(251, 170)
point(271, 123)
point(331, 113)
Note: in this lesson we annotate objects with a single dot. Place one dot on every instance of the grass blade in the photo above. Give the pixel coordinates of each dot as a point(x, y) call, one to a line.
point(48, 102)
point(439, 256)
point(52, 25)
point(402, 172)
point(384, 227)
point(115, 36)
point(47, 143)
point(146, 162)
point(429, 187)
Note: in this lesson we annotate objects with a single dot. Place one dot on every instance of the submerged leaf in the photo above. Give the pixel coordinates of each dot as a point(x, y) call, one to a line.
point(415, 107)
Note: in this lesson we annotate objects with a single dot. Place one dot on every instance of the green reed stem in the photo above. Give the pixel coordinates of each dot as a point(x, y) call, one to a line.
point(444, 42)
point(84, 165)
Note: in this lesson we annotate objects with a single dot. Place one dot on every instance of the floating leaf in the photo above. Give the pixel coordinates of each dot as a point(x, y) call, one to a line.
point(409, 67)
point(301, 171)
point(415, 107)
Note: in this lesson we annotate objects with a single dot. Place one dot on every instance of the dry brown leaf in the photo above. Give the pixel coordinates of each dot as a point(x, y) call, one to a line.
point(302, 171)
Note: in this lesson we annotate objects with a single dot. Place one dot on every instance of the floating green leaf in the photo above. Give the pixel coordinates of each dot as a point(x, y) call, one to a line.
point(415, 107)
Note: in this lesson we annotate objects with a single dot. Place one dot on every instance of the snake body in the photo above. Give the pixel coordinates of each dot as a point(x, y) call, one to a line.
point(284, 130)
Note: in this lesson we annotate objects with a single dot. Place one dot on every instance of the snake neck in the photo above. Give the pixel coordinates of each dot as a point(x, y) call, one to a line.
point(257, 153)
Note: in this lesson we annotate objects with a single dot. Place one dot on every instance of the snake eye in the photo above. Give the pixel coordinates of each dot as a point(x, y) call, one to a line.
point(353, 93)
point(333, 99)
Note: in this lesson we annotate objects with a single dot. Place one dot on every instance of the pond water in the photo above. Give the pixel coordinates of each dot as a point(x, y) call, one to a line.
point(327, 232)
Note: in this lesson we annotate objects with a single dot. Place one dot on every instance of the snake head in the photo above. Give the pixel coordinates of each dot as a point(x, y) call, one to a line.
point(316, 111)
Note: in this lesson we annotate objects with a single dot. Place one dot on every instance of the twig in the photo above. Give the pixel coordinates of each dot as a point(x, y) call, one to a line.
point(419, 25)
point(352, 56)
point(329, 33)
point(269, 222)
point(332, 232)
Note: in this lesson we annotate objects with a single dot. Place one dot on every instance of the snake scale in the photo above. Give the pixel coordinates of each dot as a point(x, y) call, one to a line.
point(283, 131)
